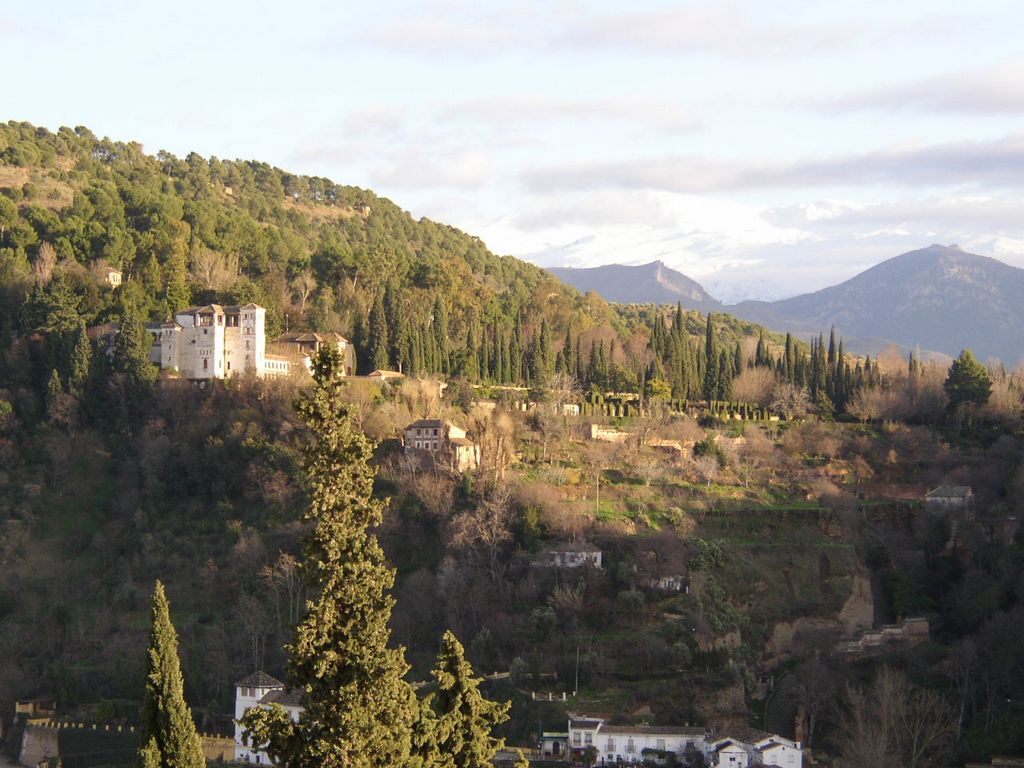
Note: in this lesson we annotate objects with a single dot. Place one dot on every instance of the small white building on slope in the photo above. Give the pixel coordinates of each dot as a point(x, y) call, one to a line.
point(260, 690)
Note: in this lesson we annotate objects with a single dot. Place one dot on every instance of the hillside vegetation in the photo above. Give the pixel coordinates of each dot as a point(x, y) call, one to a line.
point(764, 500)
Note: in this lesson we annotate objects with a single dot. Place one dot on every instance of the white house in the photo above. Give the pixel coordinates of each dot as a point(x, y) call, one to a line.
point(215, 342)
point(260, 690)
point(573, 554)
point(779, 751)
point(768, 750)
point(635, 743)
point(732, 753)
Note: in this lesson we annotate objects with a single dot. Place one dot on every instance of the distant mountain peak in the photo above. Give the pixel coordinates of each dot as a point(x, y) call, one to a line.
point(654, 282)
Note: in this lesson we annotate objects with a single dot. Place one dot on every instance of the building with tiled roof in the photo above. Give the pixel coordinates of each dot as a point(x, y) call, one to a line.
point(215, 342)
point(440, 442)
point(261, 690)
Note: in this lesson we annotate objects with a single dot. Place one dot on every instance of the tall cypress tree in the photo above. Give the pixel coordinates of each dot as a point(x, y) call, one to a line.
point(441, 335)
point(398, 330)
point(377, 346)
point(463, 718)
point(169, 737)
point(710, 362)
point(359, 712)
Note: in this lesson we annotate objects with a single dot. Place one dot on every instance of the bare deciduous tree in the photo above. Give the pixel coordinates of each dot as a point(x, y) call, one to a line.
point(44, 263)
point(303, 285)
point(213, 271)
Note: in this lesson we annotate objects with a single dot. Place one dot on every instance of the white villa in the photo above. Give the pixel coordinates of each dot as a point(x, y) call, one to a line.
point(616, 744)
point(216, 342)
point(260, 690)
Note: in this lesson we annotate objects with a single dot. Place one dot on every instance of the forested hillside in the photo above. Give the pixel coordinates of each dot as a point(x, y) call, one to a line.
point(759, 504)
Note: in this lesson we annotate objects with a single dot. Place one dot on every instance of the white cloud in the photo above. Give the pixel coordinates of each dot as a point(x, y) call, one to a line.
point(995, 163)
point(539, 108)
point(992, 90)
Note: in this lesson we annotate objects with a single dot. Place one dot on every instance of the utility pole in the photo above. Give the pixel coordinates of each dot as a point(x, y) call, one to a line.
point(576, 688)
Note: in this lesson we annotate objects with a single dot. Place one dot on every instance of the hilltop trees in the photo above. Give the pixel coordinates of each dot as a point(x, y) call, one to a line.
point(968, 383)
point(169, 737)
point(358, 710)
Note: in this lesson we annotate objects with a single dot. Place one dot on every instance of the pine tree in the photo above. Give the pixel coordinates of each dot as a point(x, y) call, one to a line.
point(463, 719)
point(359, 712)
point(168, 733)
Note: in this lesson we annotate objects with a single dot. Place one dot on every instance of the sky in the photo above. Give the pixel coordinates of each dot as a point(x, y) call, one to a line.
point(764, 149)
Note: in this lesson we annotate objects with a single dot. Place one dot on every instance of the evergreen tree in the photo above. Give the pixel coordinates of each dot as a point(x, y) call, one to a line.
point(398, 331)
point(710, 362)
point(441, 335)
point(967, 382)
point(378, 344)
point(359, 712)
point(168, 733)
point(81, 360)
point(131, 349)
point(463, 718)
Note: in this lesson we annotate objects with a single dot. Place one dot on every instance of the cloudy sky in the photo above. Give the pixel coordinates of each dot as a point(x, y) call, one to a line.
point(763, 148)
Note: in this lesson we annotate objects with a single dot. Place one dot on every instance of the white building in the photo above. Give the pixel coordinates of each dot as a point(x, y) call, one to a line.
point(215, 342)
point(635, 743)
point(768, 750)
point(260, 690)
point(573, 554)
point(779, 751)
point(615, 744)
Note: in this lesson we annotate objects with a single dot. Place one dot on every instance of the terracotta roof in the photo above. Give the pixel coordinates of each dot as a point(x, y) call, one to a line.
point(461, 441)
point(292, 697)
point(260, 679)
point(585, 723)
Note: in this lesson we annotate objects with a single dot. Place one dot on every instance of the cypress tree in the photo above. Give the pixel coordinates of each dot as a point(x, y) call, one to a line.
point(359, 712)
point(463, 718)
point(131, 348)
point(377, 346)
point(710, 362)
point(81, 360)
point(441, 334)
point(398, 330)
point(168, 733)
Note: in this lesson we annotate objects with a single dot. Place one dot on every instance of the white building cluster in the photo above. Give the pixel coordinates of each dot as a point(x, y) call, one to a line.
point(618, 744)
point(217, 342)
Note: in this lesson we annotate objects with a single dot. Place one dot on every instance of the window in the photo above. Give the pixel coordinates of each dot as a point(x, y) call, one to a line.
point(630, 746)
point(229, 365)
point(248, 344)
point(660, 744)
point(206, 364)
point(576, 738)
point(588, 738)
point(610, 746)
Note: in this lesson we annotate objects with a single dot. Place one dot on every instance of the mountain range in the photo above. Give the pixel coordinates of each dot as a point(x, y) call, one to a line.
point(937, 299)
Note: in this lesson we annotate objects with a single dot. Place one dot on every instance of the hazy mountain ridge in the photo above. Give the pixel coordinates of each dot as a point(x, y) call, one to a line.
point(938, 298)
point(642, 284)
